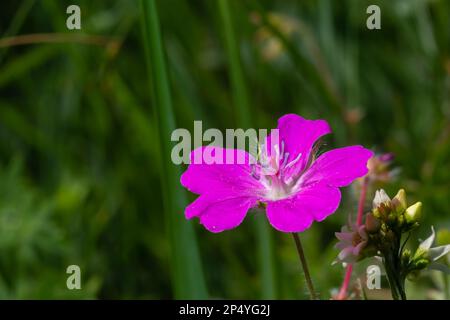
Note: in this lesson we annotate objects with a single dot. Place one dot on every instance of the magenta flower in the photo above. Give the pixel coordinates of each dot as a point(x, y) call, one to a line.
point(296, 188)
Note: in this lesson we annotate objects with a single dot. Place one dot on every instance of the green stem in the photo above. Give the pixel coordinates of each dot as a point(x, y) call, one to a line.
point(186, 269)
point(388, 266)
point(359, 218)
point(398, 268)
point(401, 282)
point(302, 257)
point(396, 280)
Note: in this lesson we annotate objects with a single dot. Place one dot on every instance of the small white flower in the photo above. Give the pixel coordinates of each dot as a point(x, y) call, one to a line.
point(433, 254)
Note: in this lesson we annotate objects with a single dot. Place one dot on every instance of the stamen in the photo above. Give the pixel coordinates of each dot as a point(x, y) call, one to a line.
point(285, 159)
point(277, 153)
point(253, 173)
point(263, 159)
point(290, 164)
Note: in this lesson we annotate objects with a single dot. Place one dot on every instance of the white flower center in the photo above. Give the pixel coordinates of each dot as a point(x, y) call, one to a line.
point(270, 170)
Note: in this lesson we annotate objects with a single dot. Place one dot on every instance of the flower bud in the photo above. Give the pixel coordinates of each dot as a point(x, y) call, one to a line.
point(399, 201)
point(376, 213)
point(406, 256)
point(391, 219)
point(372, 223)
point(413, 213)
point(379, 170)
point(380, 198)
point(420, 264)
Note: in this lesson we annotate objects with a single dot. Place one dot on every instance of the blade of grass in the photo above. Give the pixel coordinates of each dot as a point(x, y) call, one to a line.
point(242, 110)
point(187, 276)
point(18, 67)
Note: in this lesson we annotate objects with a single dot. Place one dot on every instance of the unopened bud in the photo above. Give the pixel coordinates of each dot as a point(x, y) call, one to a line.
point(414, 213)
point(391, 219)
point(380, 198)
point(399, 201)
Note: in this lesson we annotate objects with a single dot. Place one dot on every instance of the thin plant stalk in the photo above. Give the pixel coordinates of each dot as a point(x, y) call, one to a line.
point(348, 275)
point(187, 275)
point(348, 271)
point(362, 200)
point(396, 279)
point(301, 255)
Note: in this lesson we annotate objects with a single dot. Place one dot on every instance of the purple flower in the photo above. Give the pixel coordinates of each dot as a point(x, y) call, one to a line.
point(379, 168)
point(296, 188)
point(352, 240)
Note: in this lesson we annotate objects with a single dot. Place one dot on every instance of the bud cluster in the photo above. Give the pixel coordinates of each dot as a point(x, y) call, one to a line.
point(394, 215)
point(381, 235)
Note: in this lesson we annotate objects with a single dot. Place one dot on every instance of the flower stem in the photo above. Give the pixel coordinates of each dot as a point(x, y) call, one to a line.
point(348, 275)
point(362, 200)
point(392, 282)
point(301, 254)
point(395, 281)
point(348, 272)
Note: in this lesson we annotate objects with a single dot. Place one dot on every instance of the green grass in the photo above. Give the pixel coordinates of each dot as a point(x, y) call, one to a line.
point(85, 169)
point(187, 276)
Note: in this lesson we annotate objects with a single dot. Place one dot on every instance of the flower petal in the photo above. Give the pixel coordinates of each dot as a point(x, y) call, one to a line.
point(426, 244)
point(346, 255)
point(339, 167)
point(358, 248)
point(439, 267)
point(362, 232)
point(341, 245)
point(204, 175)
point(219, 213)
point(344, 236)
point(438, 252)
point(295, 214)
point(298, 136)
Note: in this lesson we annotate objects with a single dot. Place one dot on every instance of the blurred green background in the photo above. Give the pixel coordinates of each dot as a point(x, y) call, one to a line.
point(86, 116)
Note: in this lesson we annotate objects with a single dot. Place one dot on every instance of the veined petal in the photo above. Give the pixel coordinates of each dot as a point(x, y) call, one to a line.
point(339, 167)
point(204, 175)
point(295, 214)
point(298, 136)
point(219, 213)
